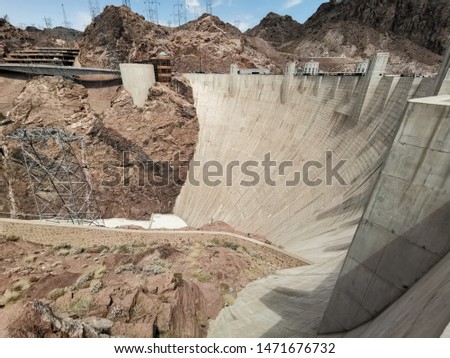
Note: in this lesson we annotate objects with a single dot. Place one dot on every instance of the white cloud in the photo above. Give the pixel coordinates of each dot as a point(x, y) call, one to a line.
point(81, 20)
point(245, 22)
point(244, 26)
point(221, 2)
point(193, 3)
point(291, 3)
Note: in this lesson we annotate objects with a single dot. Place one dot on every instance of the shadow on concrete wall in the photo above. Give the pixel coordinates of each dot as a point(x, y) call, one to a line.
point(365, 289)
point(111, 82)
point(369, 287)
point(301, 311)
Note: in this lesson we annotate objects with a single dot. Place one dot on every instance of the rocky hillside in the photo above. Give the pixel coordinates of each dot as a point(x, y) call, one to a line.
point(135, 144)
point(415, 32)
point(358, 42)
point(120, 35)
point(206, 44)
point(162, 289)
point(210, 45)
point(13, 38)
point(277, 29)
point(424, 22)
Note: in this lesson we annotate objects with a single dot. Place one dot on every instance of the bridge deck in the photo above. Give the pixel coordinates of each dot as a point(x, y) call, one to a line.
point(64, 71)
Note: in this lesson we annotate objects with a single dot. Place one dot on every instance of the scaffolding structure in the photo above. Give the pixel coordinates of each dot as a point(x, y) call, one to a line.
point(60, 185)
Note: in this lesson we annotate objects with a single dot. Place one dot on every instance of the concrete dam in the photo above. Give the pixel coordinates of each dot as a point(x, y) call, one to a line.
point(349, 173)
point(373, 240)
point(299, 119)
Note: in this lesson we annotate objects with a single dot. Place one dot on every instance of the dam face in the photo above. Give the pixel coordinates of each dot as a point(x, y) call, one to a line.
point(298, 119)
point(378, 241)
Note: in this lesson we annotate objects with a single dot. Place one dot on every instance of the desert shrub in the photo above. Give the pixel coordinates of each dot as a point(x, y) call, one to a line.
point(228, 299)
point(63, 247)
point(123, 268)
point(223, 243)
point(21, 285)
point(56, 293)
point(177, 279)
point(13, 238)
point(203, 277)
point(224, 287)
point(82, 306)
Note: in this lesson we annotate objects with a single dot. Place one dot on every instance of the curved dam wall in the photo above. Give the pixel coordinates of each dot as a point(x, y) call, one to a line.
point(298, 119)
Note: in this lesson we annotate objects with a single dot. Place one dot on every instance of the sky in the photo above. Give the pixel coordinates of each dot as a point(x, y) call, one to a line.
point(241, 13)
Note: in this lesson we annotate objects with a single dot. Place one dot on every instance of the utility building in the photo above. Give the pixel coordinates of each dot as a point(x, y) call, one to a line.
point(254, 71)
point(362, 67)
point(311, 68)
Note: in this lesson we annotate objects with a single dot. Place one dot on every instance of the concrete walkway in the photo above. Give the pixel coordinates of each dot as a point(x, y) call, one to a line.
point(53, 70)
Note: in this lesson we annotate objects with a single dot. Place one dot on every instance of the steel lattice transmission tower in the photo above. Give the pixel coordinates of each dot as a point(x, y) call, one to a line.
point(196, 11)
point(60, 184)
point(209, 7)
point(66, 22)
point(180, 12)
point(94, 8)
point(48, 22)
point(126, 3)
point(152, 11)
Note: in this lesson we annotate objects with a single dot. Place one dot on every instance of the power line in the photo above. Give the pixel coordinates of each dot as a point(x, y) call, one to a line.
point(94, 8)
point(66, 22)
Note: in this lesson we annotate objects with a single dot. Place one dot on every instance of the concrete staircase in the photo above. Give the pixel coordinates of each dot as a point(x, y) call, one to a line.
point(44, 55)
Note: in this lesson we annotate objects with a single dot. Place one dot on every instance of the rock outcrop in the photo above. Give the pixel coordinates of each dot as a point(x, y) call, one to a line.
point(13, 38)
point(119, 35)
point(204, 45)
point(138, 157)
point(154, 289)
point(416, 33)
point(424, 22)
point(277, 29)
point(39, 321)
